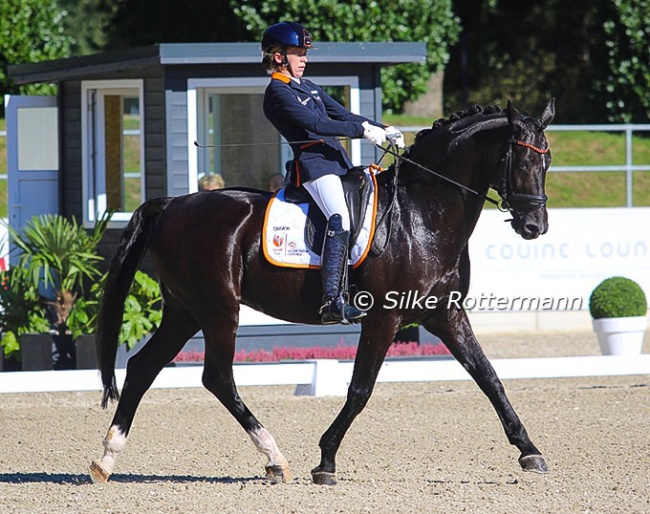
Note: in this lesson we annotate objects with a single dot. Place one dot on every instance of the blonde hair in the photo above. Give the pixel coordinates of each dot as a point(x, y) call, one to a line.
point(211, 181)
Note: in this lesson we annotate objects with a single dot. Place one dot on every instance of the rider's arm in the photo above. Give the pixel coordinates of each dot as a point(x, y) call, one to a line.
point(285, 101)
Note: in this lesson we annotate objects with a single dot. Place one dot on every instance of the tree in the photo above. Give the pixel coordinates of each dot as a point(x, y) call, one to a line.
point(429, 21)
point(88, 22)
point(30, 31)
point(626, 81)
point(146, 22)
point(591, 56)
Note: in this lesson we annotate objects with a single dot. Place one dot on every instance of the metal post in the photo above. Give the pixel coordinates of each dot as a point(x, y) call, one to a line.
point(628, 167)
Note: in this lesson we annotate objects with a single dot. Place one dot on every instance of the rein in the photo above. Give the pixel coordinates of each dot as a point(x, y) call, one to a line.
point(508, 197)
point(497, 203)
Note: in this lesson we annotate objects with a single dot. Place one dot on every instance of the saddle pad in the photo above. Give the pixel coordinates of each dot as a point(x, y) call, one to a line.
point(283, 233)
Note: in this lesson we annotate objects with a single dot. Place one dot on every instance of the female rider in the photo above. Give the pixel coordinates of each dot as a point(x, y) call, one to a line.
point(310, 120)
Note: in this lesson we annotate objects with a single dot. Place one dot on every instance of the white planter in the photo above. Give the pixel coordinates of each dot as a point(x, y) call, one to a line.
point(620, 336)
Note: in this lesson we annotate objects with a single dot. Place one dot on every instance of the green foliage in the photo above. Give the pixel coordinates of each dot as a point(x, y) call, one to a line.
point(617, 297)
point(591, 56)
point(89, 23)
point(22, 310)
point(145, 22)
point(58, 254)
point(627, 81)
point(30, 31)
point(142, 310)
point(429, 21)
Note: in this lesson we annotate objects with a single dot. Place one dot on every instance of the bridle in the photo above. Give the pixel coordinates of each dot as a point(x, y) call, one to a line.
point(510, 201)
point(521, 203)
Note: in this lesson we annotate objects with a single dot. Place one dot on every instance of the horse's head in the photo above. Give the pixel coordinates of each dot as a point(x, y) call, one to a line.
point(523, 172)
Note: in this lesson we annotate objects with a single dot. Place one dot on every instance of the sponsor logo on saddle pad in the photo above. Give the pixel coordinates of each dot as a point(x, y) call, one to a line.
point(283, 234)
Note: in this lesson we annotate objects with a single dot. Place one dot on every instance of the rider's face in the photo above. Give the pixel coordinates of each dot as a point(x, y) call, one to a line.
point(297, 59)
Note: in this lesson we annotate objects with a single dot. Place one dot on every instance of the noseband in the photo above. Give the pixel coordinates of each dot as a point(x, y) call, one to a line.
point(521, 203)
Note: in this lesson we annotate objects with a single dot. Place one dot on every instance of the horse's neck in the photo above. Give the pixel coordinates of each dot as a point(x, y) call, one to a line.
point(468, 157)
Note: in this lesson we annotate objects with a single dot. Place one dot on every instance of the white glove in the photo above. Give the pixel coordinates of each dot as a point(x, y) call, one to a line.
point(395, 137)
point(374, 134)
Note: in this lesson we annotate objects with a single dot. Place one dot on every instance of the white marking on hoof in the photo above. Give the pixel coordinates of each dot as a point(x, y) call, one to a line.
point(98, 475)
point(265, 444)
point(114, 444)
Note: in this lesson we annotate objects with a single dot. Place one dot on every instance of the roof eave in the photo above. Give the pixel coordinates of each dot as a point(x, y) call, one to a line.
point(171, 54)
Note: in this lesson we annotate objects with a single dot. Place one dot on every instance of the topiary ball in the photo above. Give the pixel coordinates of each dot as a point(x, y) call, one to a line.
point(617, 297)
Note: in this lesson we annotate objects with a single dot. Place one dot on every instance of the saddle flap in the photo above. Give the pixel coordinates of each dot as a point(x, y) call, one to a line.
point(288, 225)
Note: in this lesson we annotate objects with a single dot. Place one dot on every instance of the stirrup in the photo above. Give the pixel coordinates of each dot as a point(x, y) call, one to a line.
point(337, 310)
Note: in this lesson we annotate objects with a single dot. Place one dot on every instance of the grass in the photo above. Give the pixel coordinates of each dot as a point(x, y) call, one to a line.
point(574, 189)
point(582, 189)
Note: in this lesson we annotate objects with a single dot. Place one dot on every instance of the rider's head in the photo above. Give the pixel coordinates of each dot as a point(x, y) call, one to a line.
point(284, 48)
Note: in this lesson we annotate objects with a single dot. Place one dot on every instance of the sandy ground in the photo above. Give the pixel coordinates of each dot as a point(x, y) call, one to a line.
point(423, 447)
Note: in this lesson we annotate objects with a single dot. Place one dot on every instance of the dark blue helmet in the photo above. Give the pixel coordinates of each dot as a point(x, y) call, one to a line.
point(286, 33)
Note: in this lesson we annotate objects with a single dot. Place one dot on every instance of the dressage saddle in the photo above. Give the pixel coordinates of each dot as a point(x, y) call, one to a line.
point(356, 186)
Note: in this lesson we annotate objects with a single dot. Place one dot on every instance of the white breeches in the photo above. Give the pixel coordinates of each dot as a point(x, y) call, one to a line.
point(327, 192)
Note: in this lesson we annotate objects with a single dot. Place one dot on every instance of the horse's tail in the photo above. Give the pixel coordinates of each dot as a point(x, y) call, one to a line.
point(121, 272)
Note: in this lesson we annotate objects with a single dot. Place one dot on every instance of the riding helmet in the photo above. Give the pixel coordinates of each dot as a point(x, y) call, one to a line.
point(286, 33)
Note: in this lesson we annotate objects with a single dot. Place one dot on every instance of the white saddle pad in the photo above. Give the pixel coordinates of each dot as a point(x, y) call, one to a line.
point(283, 234)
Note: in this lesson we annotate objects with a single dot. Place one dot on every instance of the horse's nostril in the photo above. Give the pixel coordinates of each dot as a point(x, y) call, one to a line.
point(532, 229)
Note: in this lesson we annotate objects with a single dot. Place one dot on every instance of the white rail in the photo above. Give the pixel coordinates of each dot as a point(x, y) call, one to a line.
point(331, 377)
point(628, 167)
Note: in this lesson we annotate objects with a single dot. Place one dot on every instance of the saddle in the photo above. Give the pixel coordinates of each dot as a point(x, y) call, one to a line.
point(357, 189)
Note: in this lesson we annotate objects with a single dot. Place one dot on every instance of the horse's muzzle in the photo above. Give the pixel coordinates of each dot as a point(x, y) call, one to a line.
point(532, 224)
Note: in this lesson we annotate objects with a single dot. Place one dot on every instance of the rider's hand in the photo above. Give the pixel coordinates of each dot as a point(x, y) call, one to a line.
point(395, 137)
point(374, 134)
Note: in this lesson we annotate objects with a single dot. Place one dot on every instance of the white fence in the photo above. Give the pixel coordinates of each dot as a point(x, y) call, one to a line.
point(331, 377)
point(628, 166)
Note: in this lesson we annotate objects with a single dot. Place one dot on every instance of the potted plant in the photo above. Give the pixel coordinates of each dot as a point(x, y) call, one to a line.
point(22, 314)
point(619, 307)
point(58, 257)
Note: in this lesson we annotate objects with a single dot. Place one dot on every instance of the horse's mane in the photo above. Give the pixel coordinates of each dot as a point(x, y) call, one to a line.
point(461, 120)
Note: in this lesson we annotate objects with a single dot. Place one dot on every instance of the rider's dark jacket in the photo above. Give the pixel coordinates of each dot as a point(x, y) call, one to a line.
point(311, 120)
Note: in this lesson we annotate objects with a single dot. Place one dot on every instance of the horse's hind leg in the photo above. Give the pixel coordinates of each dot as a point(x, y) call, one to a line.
point(219, 380)
point(176, 327)
point(458, 336)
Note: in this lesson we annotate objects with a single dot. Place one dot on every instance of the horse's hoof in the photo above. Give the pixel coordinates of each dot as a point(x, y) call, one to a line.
point(278, 474)
point(98, 474)
point(533, 463)
point(323, 477)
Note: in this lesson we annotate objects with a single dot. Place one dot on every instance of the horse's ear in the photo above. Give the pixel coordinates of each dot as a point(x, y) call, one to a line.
point(548, 114)
point(514, 116)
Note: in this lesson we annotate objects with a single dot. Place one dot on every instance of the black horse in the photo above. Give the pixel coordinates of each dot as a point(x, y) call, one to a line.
point(206, 250)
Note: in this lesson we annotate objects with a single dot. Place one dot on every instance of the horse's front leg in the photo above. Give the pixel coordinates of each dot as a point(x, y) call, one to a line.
point(376, 337)
point(458, 336)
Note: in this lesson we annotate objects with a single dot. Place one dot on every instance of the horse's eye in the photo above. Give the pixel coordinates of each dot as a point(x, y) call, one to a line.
point(524, 165)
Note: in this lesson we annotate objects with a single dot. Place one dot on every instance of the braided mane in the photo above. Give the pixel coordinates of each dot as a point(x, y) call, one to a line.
point(455, 119)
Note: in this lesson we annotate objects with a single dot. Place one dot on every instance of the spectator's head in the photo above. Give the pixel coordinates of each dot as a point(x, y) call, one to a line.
point(211, 181)
point(276, 182)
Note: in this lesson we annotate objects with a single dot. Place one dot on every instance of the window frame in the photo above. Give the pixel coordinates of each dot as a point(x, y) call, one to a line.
point(196, 89)
point(90, 134)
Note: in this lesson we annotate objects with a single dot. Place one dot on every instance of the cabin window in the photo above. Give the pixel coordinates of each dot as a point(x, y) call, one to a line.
point(112, 148)
point(236, 140)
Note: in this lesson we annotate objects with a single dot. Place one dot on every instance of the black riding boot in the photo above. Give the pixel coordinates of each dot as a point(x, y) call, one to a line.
point(336, 307)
